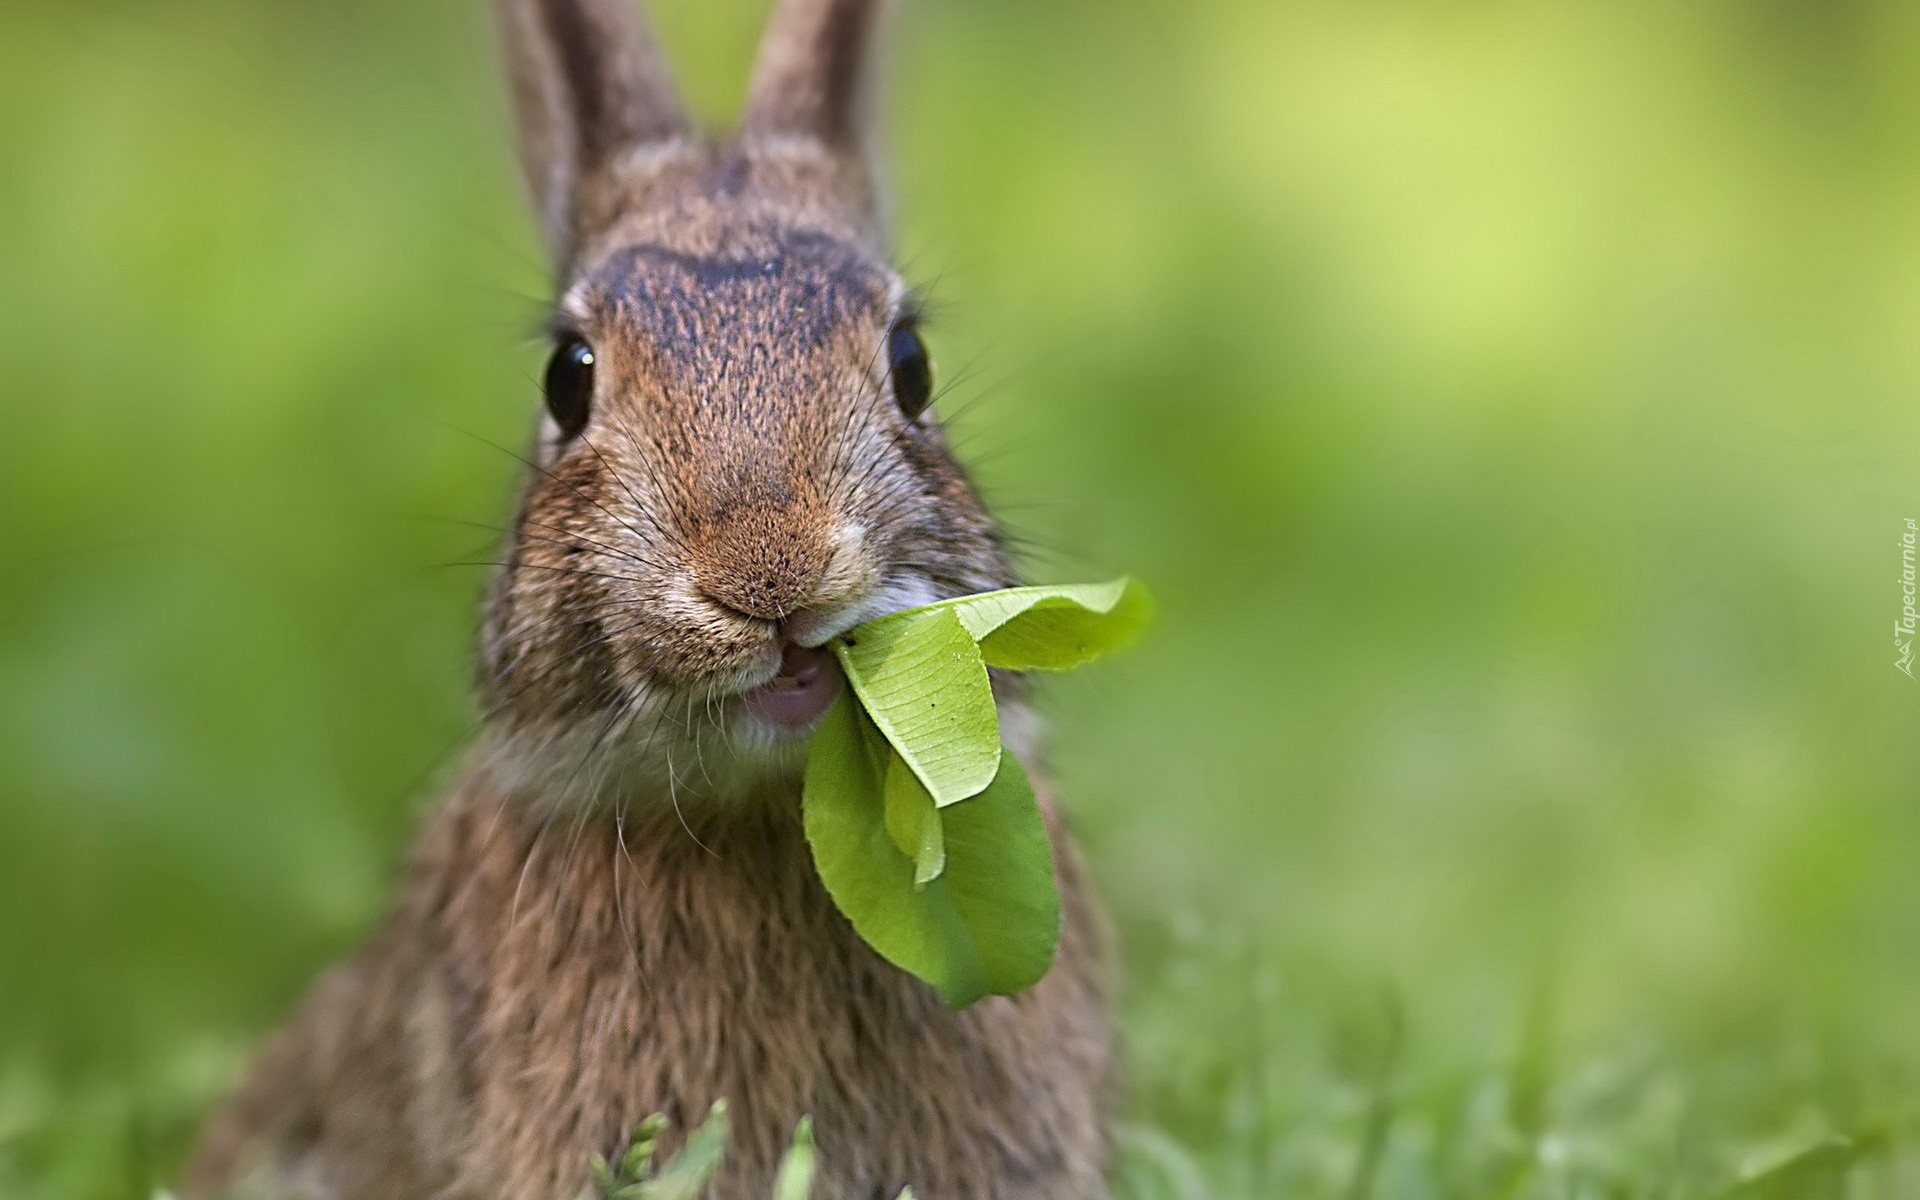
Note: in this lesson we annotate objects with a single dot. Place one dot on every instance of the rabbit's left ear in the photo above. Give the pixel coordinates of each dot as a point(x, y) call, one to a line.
point(814, 80)
point(589, 85)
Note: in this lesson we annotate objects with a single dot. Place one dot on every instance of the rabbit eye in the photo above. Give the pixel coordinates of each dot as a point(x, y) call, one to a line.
point(910, 370)
point(570, 385)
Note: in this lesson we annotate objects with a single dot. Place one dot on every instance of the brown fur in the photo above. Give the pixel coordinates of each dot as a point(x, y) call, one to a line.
point(536, 995)
point(615, 913)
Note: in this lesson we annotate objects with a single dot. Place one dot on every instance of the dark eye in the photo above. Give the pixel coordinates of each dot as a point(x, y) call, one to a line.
point(910, 370)
point(570, 385)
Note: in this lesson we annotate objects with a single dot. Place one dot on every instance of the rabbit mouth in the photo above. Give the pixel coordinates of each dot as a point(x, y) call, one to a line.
point(806, 684)
point(808, 679)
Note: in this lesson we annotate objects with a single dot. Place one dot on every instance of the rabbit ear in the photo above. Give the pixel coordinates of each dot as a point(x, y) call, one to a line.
point(814, 76)
point(589, 84)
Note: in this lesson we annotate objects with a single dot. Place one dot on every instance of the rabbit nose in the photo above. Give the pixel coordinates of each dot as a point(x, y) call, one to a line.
point(767, 595)
point(763, 565)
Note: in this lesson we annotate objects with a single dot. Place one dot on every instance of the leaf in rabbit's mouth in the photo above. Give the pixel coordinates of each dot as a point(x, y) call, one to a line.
point(924, 830)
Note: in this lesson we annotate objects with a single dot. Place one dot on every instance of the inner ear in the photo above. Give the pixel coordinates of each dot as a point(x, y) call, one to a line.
point(589, 85)
point(815, 78)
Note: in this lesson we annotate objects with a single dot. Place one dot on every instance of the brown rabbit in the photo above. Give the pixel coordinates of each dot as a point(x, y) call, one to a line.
point(615, 912)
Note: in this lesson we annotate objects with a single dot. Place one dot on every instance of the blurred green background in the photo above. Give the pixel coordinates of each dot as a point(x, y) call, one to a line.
point(1512, 403)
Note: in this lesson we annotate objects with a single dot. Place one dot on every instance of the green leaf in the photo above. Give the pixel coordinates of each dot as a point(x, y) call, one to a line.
point(794, 1181)
point(870, 880)
point(925, 833)
point(913, 822)
point(988, 924)
point(688, 1173)
point(1000, 875)
point(638, 1159)
point(920, 678)
point(1049, 628)
point(1818, 1171)
point(604, 1181)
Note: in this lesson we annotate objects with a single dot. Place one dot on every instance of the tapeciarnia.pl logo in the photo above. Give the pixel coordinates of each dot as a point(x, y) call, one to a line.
point(1903, 628)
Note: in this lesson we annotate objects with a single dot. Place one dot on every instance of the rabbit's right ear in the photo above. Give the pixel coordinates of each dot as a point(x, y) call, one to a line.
point(589, 85)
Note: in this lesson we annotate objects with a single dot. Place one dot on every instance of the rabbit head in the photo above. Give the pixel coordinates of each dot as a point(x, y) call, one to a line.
point(735, 462)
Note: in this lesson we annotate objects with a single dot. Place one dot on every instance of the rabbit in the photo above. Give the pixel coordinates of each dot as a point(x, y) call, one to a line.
point(614, 911)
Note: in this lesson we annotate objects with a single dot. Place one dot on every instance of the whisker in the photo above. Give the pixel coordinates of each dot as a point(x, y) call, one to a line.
point(673, 795)
point(534, 466)
point(542, 567)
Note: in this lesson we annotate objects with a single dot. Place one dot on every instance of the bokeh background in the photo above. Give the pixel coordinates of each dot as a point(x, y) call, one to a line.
point(1510, 401)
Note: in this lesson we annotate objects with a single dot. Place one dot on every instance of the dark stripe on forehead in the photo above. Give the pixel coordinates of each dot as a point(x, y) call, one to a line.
point(793, 284)
point(771, 252)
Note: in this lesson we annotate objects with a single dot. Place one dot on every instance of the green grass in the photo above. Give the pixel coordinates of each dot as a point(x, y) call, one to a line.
point(1509, 404)
point(1343, 1111)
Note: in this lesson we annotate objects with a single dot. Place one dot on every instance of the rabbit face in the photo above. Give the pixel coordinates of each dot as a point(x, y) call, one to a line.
point(738, 470)
point(735, 465)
